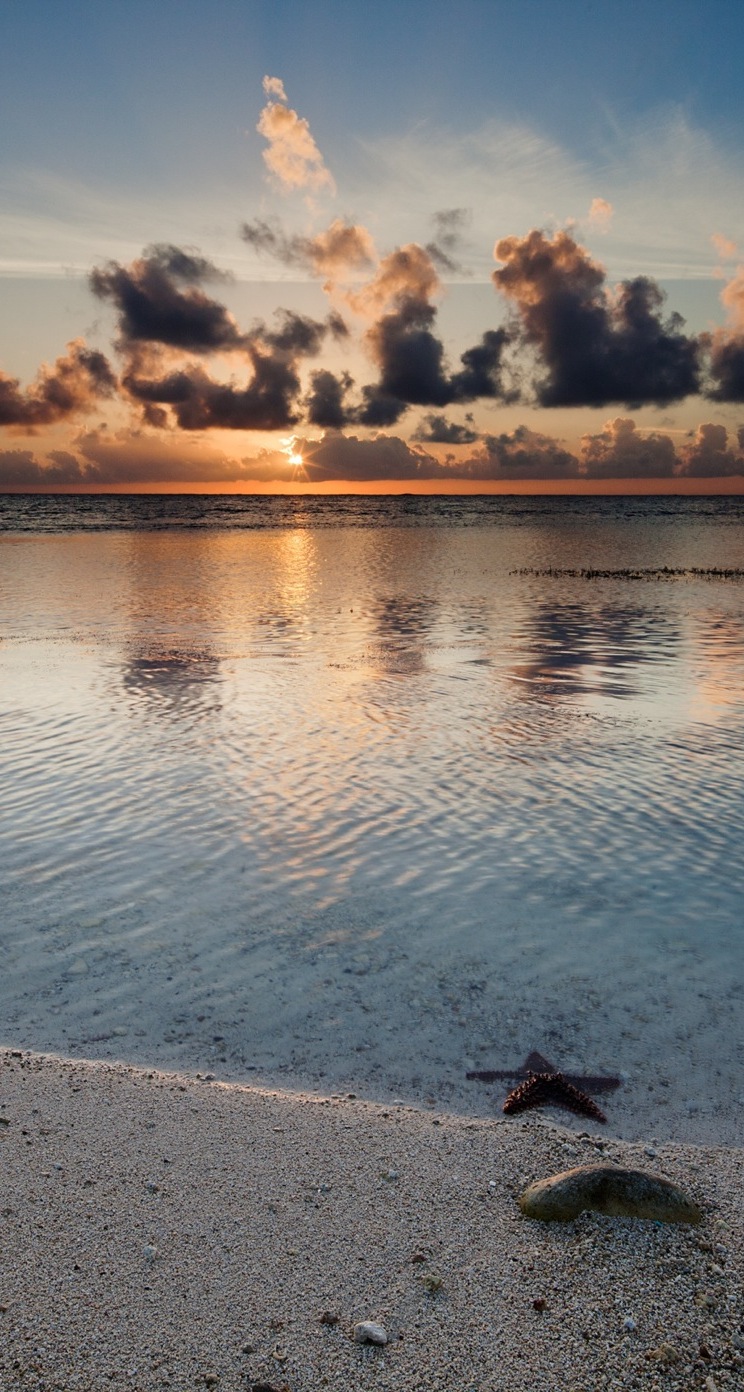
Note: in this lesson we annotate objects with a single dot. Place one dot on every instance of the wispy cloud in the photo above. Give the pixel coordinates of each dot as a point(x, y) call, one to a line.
point(292, 157)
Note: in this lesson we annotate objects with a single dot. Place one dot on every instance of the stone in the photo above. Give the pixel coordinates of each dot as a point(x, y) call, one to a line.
point(369, 1333)
point(608, 1189)
point(666, 1354)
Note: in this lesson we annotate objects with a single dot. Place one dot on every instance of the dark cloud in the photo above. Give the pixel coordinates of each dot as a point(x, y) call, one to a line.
point(298, 335)
point(162, 315)
point(200, 402)
point(158, 301)
point(345, 458)
point(524, 454)
point(325, 403)
point(597, 348)
point(409, 355)
point(437, 430)
point(621, 451)
point(22, 469)
point(75, 384)
point(710, 456)
point(726, 366)
point(413, 370)
point(268, 401)
point(481, 372)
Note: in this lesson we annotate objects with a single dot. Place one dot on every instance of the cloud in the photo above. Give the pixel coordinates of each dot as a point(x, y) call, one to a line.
point(437, 430)
point(347, 459)
point(267, 401)
point(158, 301)
point(200, 402)
point(397, 301)
point(404, 276)
point(523, 454)
point(133, 457)
point(292, 158)
point(621, 451)
point(274, 87)
point(726, 346)
point(449, 225)
point(600, 215)
point(412, 366)
point(724, 247)
point(325, 403)
point(709, 454)
point(409, 356)
point(163, 314)
point(21, 469)
point(341, 249)
point(129, 458)
point(597, 348)
point(75, 384)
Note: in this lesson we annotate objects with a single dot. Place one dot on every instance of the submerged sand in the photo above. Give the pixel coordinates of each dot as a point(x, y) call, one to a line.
point(165, 1232)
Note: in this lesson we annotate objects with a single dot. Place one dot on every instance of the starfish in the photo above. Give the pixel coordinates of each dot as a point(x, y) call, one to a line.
point(552, 1089)
point(543, 1085)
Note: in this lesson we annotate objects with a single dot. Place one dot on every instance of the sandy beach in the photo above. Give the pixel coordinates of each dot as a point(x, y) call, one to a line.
point(162, 1231)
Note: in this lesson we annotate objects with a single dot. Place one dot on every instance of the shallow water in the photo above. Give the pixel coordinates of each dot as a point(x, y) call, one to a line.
point(344, 801)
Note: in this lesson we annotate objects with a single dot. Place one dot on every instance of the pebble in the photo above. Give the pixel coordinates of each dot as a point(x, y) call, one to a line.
point(369, 1333)
point(629, 1324)
point(608, 1189)
point(150, 1252)
point(666, 1354)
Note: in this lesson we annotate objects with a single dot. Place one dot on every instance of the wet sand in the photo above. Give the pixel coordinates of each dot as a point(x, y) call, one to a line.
point(161, 1231)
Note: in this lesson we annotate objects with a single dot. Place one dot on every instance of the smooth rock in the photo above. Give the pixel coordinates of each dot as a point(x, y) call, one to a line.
point(369, 1333)
point(609, 1189)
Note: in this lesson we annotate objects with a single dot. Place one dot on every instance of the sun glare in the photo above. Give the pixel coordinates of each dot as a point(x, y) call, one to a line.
point(294, 457)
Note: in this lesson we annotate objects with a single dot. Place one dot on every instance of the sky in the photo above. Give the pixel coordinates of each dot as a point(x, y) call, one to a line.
point(323, 247)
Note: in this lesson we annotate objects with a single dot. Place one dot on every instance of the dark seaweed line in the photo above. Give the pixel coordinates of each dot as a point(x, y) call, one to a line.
point(646, 573)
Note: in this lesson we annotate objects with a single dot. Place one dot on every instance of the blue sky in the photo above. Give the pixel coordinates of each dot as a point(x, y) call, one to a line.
point(132, 124)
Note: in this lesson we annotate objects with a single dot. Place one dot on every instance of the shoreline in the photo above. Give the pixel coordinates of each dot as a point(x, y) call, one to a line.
point(163, 1231)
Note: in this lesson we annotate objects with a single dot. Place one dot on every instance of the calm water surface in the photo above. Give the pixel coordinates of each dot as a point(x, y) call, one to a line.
point(325, 792)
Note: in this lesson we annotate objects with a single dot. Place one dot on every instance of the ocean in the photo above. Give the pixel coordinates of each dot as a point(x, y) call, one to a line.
point(361, 794)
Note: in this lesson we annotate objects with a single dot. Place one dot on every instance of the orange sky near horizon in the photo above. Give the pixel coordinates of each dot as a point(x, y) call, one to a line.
point(648, 487)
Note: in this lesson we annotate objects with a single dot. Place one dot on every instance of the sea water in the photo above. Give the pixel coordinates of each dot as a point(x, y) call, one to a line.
point(364, 793)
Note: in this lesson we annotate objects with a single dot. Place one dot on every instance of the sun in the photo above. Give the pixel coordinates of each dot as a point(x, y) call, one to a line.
point(294, 457)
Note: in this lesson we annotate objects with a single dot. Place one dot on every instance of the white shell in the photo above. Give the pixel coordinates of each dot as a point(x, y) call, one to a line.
point(369, 1333)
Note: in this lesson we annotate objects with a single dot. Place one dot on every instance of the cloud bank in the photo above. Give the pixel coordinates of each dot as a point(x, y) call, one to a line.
point(619, 451)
